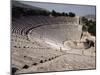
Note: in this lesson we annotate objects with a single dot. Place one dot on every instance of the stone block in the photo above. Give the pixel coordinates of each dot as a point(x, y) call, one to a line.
point(75, 51)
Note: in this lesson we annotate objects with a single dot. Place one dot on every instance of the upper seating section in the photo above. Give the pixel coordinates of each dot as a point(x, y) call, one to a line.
point(21, 26)
point(24, 24)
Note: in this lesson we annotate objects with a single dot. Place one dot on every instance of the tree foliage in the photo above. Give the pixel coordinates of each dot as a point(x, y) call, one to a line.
point(19, 11)
point(71, 14)
point(89, 25)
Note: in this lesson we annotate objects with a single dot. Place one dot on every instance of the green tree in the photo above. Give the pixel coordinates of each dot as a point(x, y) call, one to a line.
point(71, 14)
point(54, 13)
point(66, 14)
point(63, 14)
point(92, 28)
point(89, 25)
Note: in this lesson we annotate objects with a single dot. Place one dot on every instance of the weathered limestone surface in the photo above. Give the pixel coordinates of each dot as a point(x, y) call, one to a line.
point(64, 62)
point(41, 44)
point(57, 34)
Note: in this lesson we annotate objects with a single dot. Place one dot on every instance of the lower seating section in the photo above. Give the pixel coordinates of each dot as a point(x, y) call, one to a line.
point(20, 41)
point(31, 56)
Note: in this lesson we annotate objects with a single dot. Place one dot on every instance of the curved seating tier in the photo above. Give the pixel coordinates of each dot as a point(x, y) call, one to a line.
point(26, 52)
point(34, 38)
point(33, 56)
point(21, 25)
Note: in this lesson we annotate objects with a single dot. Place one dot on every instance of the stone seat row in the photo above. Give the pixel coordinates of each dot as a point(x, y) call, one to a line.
point(34, 57)
point(20, 26)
